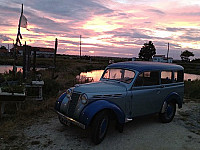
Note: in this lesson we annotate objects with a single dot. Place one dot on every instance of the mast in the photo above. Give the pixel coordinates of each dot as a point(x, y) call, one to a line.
point(168, 52)
point(80, 46)
point(17, 40)
point(18, 34)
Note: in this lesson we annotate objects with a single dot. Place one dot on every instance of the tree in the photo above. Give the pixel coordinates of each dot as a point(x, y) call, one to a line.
point(2, 47)
point(147, 51)
point(185, 55)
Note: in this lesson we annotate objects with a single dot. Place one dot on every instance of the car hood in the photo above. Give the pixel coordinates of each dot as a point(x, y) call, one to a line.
point(101, 86)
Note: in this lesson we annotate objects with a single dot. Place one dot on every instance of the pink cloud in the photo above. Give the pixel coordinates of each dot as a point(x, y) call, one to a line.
point(110, 28)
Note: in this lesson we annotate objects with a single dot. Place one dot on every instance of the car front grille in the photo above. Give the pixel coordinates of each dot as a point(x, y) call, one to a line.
point(72, 104)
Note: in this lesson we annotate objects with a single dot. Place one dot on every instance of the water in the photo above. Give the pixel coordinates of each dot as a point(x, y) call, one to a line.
point(96, 75)
point(191, 76)
point(6, 68)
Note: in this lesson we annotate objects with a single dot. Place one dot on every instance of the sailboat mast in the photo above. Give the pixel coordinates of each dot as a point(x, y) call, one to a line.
point(18, 34)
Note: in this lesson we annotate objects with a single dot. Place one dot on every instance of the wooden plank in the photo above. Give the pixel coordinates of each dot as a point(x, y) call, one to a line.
point(12, 98)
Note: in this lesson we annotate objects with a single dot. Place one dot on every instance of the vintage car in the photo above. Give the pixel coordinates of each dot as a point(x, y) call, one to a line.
point(126, 90)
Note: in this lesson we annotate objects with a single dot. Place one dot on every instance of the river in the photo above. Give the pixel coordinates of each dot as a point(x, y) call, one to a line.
point(6, 68)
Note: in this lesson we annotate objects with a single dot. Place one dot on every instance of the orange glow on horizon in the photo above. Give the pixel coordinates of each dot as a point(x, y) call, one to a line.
point(100, 24)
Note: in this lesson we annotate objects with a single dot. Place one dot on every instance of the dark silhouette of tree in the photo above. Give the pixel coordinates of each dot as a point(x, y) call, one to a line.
point(185, 55)
point(147, 51)
point(2, 47)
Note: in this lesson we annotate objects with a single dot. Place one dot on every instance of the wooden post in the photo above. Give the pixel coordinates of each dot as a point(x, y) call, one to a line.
point(34, 60)
point(14, 62)
point(54, 60)
point(29, 58)
point(24, 61)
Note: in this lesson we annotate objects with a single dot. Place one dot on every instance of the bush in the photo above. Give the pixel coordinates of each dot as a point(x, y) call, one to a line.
point(50, 88)
point(192, 89)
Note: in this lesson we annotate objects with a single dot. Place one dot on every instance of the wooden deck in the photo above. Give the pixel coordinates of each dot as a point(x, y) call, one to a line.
point(13, 97)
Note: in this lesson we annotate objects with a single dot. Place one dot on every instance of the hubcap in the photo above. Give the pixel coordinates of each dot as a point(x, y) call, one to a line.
point(103, 127)
point(169, 110)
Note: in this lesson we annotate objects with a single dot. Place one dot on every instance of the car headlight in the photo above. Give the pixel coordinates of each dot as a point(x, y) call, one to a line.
point(69, 92)
point(84, 99)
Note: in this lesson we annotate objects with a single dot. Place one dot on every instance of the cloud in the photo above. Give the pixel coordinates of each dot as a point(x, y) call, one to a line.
point(4, 38)
point(113, 27)
point(76, 10)
point(191, 38)
point(156, 11)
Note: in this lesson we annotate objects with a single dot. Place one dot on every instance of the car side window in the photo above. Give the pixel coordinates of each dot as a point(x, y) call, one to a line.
point(166, 77)
point(147, 78)
point(178, 76)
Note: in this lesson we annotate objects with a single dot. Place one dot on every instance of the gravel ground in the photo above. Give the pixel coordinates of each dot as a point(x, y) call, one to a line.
point(142, 133)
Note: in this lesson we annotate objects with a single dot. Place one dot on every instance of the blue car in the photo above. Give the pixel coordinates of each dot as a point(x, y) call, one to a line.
point(126, 90)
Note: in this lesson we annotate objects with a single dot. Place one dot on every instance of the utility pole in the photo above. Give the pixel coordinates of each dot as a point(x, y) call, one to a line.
point(80, 46)
point(54, 60)
point(168, 52)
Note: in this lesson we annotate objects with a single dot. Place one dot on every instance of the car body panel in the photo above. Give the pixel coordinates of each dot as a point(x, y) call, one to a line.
point(125, 100)
point(95, 107)
point(144, 100)
point(99, 87)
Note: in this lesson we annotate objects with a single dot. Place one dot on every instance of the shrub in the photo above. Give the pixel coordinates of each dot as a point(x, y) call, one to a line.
point(192, 89)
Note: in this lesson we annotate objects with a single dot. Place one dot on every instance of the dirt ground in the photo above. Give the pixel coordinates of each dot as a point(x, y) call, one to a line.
point(144, 133)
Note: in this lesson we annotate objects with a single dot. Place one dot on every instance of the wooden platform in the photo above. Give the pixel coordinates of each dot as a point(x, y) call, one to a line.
point(5, 97)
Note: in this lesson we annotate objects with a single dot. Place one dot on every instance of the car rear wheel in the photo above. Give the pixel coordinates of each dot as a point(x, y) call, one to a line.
point(169, 113)
point(99, 127)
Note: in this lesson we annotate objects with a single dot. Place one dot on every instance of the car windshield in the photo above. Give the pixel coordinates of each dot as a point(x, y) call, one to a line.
point(122, 75)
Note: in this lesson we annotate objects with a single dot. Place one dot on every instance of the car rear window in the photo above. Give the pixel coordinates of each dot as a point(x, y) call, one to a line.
point(147, 78)
point(166, 77)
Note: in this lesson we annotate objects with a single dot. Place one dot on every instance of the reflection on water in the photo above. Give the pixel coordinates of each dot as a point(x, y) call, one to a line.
point(96, 75)
point(93, 76)
point(191, 76)
point(6, 68)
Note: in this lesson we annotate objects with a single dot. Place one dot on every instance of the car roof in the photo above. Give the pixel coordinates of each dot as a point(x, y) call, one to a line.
point(145, 66)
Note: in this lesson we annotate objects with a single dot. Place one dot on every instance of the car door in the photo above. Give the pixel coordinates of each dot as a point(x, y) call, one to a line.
point(145, 93)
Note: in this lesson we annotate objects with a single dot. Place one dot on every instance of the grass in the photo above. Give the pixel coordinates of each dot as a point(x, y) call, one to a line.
point(192, 90)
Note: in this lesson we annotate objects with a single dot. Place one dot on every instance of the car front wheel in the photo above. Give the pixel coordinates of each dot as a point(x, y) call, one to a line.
point(99, 127)
point(169, 113)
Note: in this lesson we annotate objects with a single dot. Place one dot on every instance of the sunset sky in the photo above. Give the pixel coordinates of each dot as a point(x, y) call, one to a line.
point(116, 28)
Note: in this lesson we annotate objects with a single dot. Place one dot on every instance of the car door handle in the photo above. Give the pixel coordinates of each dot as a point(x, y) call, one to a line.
point(162, 86)
point(158, 92)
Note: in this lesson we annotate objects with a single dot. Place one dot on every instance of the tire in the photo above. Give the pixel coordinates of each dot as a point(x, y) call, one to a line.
point(169, 113)
point(119, 127)
point(99, 127)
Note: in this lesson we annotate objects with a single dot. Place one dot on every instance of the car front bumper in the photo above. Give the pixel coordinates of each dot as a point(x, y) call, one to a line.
point(67, 120)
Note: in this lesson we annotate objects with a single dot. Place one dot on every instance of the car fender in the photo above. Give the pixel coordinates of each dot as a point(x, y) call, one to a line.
point(93, 108)
point(59, 101)
point(172, 96)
